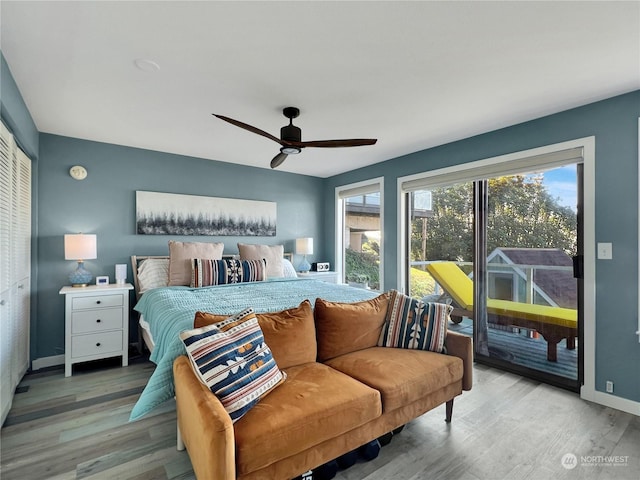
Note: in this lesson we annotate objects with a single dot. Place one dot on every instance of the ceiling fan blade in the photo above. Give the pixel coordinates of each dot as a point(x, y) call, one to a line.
point(278, 159)
point(248, 127)
point(353, 142)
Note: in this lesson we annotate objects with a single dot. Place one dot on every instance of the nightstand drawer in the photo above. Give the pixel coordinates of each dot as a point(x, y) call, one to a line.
point(99, 301)
point(96, 344)
point(96, 320)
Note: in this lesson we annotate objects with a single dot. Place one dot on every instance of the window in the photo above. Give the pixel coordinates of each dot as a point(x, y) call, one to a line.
point(359, 234)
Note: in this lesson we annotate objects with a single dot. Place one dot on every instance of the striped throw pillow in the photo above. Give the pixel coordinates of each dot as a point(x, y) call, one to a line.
point(232, 359)
point(206, 272)
point(413, 324)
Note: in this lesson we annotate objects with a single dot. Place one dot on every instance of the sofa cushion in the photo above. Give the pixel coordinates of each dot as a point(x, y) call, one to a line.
point(233, 360)
point(347, 327)
point(411, 323)
point(314, 404)
point(400, 375)
point(290, 334)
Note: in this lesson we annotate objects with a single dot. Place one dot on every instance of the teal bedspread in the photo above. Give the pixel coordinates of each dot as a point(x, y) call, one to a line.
point(171, 310)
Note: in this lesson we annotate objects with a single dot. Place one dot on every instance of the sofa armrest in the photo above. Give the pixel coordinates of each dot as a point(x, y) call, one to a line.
point(205, 426)
point(462, 346)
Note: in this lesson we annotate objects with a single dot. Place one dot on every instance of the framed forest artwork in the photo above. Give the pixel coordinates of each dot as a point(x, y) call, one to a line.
point(177, 214)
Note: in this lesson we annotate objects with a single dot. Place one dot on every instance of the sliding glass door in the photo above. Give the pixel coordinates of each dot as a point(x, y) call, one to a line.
point(502, 250)
point(530, 291)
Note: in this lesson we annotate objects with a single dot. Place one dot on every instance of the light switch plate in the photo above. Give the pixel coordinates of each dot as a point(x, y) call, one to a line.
point(605, 251)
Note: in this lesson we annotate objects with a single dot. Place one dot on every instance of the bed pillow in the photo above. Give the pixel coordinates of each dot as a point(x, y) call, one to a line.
point(288, 270)
point(411, 323)
point(347, 327)
point(205, 272)
point(232, 359)
point(180, 255)
point(272, 253)
point(290, 333)
point(153, 273)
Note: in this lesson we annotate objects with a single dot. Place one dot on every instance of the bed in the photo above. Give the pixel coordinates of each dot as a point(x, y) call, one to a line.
point(166, 311)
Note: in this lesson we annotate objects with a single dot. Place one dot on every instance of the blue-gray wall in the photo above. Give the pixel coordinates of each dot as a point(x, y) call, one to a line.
point(104, 204)
point(614, 123)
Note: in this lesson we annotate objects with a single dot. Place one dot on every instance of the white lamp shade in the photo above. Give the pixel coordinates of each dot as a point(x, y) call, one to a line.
point(79, 246)
point(304, 246)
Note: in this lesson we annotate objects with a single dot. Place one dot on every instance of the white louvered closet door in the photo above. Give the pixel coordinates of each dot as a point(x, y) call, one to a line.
point(15, 266)
point(21, 262)
point(7, 146)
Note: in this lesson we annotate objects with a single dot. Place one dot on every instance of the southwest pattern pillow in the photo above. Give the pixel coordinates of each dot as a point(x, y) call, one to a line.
point(413, 324)
point(233, 360)
point(205, 272)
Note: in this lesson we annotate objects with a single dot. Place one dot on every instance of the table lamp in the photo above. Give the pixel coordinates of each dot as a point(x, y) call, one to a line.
point(80, 247)
point(304, 247)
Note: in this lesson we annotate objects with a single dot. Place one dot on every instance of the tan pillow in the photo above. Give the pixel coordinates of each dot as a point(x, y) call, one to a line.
point(180, 255)
point(272, 253)
point(347, 327)
point(290, 334)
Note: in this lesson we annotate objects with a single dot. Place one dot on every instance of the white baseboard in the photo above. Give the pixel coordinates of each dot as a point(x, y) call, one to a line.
point(609, 400)
point(45, 362)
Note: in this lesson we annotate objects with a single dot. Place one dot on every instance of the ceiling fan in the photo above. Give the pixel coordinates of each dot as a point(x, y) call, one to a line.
point(291, 137)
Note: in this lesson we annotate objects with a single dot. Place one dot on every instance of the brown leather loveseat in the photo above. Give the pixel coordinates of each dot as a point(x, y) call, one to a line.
point(341, 391)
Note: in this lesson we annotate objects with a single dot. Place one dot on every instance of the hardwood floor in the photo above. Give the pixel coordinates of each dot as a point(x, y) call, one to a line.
point(507, 427)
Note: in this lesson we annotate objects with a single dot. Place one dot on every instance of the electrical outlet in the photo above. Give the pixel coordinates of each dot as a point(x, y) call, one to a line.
point(609, 386)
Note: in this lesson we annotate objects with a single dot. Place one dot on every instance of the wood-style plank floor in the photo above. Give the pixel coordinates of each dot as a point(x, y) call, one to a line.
point(507, 427)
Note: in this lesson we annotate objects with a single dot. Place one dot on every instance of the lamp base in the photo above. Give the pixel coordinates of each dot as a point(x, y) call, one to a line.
point(304, 265)
point(80, 277)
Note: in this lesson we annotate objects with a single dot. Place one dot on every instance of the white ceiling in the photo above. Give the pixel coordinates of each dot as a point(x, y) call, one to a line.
point(412, 74)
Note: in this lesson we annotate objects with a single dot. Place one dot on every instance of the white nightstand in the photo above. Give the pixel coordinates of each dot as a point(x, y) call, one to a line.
point(329, 277)
point(96, 323)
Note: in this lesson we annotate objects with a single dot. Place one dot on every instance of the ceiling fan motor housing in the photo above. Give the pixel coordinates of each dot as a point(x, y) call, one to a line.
point(290, 133)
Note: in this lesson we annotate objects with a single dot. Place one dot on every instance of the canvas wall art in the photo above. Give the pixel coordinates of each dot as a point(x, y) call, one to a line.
point(177, 214)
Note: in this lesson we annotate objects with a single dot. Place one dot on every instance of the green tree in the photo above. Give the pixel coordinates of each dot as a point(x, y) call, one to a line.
point(364, 264)
point(521, 213)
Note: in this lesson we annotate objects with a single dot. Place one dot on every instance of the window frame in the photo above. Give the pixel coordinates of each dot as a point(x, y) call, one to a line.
point(349, 190)
point(471, 170)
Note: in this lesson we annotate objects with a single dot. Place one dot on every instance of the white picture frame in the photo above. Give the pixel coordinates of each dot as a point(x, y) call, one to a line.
point(102, 281)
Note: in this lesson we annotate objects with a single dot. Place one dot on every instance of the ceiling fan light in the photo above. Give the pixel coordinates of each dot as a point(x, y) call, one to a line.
point(290, 150)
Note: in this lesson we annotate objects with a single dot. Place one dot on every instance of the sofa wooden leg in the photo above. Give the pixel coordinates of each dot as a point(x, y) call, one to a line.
point(449, 407)
point(179, 443)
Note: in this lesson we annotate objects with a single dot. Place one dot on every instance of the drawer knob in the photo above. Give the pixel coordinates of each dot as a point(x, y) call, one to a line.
point(98, 344)
point(98, 302)
point(98, 321)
